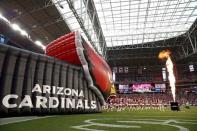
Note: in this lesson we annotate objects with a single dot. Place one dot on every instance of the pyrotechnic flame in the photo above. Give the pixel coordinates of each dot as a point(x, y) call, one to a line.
point(164, 54)
point(169, 66)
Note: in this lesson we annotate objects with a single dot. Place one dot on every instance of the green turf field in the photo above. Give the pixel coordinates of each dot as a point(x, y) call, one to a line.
point(146, 120)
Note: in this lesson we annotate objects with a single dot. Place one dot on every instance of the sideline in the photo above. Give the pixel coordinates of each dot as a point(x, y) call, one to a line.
point(10, 120)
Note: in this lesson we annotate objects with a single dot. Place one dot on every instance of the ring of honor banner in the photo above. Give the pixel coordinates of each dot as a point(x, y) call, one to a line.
point(36, 84)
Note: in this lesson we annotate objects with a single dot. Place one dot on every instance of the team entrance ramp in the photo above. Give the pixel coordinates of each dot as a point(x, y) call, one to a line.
point(36, 84)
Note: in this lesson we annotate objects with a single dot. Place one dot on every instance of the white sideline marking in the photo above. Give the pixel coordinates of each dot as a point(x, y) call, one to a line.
point(82, 127)
point(5, 121)
point(91, 123)
point(169, 122)
point(176, 121)
point(165, 116)
point(166, 122)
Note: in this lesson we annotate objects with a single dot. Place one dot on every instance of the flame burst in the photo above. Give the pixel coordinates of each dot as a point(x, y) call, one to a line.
point(169, 65)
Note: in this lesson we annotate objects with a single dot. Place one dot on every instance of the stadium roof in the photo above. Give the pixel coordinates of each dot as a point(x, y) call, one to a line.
point(111, 25)
point(126, 22)
point(39, 18)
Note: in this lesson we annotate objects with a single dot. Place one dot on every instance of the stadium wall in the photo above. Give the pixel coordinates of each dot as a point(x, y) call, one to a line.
point(35, 84)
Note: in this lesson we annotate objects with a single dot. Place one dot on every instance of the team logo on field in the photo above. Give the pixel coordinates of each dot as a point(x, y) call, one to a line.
point(97, 124)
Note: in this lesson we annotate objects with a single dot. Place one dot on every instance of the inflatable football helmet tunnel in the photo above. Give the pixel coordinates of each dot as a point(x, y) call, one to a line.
point(70, 78)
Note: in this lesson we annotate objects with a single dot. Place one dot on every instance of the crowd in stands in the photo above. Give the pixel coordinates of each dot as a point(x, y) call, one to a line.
point(159, 101)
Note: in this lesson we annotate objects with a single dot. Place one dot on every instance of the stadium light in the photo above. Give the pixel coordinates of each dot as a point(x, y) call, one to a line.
point(3, 18)
point(191, 68)
point(39, 43)
point(114, 76)
point(24, 33)
point(43, 47)
point(15, 27)
point(164, 74)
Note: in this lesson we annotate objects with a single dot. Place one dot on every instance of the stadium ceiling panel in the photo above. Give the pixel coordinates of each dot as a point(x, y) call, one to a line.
point(126, 22)
point(82, 16)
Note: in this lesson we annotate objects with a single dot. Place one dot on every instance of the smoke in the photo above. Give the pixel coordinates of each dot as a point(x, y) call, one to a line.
point(169, 65)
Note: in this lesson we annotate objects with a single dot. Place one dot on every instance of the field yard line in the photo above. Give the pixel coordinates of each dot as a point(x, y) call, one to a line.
point(159, 123)
point(82, 127)
point(176, 121)
point(141, 122)
point(149, 116)
point(187, 120)
point(91, 123)
point(177, 126)
point(164, 116)
point(10, 120)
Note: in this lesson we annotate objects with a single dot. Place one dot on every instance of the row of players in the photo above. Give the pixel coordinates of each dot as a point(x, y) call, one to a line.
point(115, 107)
point(148, 101)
